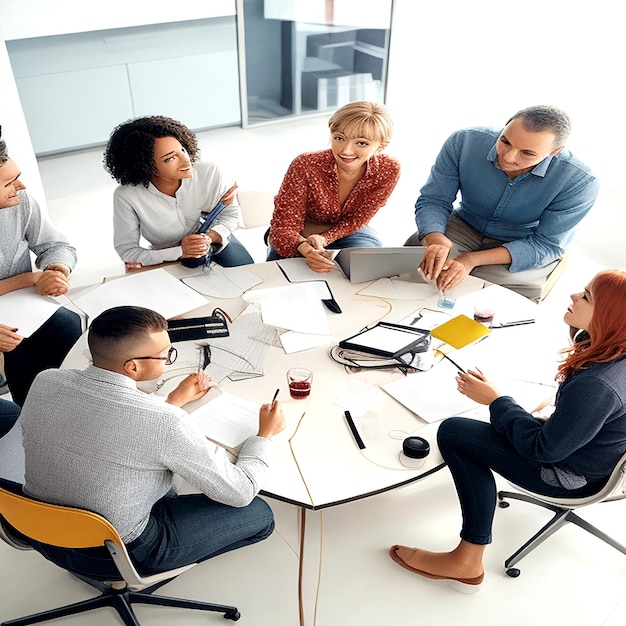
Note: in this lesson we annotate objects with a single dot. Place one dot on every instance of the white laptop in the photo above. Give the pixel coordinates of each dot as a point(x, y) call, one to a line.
point(364, 264)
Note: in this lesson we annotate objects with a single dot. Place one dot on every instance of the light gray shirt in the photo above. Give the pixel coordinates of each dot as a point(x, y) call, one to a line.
point(94, 441)
point(24, 228)
point(164, 220)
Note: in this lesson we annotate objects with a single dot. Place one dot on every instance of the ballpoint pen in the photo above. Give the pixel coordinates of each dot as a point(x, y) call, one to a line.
point(274, 399)
point(355, 432)
point(508, 324)
point(445, 356)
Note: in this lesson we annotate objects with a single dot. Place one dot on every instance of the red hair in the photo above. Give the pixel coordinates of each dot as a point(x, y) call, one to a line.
point(607, 329)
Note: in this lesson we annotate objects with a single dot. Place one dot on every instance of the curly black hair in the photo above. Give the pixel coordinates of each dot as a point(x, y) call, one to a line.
point(129, 155)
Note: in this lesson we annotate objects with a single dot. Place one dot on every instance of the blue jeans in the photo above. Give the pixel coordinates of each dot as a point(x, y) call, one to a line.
point(181, 530)
point(45, 348)
point(233, 255)
point(472, 449)
point(9, 412)
point(366, 237)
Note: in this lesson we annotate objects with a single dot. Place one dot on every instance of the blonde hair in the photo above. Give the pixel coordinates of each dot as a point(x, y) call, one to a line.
point(370, 120)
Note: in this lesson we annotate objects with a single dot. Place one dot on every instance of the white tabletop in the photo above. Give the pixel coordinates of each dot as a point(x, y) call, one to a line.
point(320, 465)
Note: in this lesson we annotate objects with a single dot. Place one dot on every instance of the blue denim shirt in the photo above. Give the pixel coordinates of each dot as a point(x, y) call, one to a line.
point(535, 214)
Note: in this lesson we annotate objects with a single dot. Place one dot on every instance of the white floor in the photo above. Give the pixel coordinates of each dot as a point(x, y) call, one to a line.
point(573, 578)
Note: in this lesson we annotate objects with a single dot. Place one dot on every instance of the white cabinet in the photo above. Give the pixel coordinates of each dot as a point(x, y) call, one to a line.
point(76, 88)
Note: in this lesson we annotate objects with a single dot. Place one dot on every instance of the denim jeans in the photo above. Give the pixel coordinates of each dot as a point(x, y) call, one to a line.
point(365, 237)
point(9, 412)
point(472, 449)
point(45, 348)
point(181, 530)
point(233, 255)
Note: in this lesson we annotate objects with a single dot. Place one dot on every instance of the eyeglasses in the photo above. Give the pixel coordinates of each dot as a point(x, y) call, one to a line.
point(172, 353)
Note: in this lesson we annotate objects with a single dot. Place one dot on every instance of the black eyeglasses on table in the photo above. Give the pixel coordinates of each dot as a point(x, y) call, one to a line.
point(172, 353)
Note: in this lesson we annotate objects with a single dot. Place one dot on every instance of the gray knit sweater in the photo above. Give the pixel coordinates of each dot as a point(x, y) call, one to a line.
point(94, 441)
point(24, 227)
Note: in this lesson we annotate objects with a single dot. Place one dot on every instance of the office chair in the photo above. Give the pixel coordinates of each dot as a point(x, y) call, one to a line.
point(23, 518)
point(563, 509)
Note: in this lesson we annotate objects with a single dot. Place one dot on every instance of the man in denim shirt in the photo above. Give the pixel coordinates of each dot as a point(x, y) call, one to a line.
point(523, 195)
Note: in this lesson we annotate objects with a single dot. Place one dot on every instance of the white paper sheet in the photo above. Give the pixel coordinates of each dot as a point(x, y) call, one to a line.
point(296, 306)
point(228, 419)
point(26, 310)
point(156, 289)
point(222, 282)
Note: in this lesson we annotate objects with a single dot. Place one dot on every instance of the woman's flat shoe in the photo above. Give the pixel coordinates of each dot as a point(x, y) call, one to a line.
point(464, 585)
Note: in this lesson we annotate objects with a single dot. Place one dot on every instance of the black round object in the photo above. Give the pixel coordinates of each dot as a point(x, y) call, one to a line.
point(415, 448)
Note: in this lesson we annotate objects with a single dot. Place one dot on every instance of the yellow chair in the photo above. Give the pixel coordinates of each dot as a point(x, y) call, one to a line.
point(23, 518)
point(563, 509)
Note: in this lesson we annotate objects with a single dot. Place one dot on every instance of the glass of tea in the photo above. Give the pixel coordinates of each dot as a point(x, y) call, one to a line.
point(299, 380)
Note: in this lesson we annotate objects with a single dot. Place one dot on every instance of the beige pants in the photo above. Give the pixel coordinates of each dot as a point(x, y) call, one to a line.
point(529, 283)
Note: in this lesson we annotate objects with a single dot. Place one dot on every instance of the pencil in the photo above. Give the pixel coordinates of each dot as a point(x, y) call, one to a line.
point(445, 356)
point(274, 398)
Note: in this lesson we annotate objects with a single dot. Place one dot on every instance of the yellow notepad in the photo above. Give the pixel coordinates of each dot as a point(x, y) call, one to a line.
point(460, 331)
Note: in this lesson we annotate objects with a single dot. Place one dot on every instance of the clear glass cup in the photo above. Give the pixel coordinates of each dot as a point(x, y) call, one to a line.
point(299, 380)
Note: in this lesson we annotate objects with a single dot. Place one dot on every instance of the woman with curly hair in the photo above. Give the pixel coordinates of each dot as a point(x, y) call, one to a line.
point(163, 188)
point(571, 454)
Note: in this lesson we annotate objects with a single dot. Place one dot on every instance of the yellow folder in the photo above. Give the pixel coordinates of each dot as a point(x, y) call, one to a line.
point(460, 331)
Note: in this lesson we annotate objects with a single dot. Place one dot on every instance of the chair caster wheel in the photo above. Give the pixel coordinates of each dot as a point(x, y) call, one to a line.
point(513, 572)
point(504, 505)
point(233, 615)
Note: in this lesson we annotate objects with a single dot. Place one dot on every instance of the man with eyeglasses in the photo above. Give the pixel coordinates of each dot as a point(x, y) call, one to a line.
point(94, 441)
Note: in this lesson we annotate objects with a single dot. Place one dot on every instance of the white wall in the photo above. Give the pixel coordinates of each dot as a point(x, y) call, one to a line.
point(457, 63)
point(14, 129)
point(39, 18)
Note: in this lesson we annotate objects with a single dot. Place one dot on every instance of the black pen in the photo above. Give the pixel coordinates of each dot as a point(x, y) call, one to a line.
point(355, 432)
point(274, 399)
point(445, 356)
point(507, 324)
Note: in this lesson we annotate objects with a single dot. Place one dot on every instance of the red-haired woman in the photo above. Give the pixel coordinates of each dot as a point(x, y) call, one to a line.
point(571, 454)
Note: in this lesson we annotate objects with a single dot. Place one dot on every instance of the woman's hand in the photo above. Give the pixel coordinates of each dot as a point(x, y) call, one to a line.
point(476, 387)
point(229, 197)
point(133, 266)
point(318, 242)
point(191, 388)
point(195, 246)
point(315, 259)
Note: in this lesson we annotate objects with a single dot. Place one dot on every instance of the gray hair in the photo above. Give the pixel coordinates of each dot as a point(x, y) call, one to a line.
point(543, 117)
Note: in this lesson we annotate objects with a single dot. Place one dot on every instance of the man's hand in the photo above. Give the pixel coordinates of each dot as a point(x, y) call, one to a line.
point(191, 388)
point(436, 255)
point(51, 282)
point(271, 420)
point(454, 271)
point(130, 265)
point(9, 339)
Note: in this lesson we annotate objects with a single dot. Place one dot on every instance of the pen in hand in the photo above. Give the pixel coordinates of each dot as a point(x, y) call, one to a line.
point(445, 356)
point(274, 399)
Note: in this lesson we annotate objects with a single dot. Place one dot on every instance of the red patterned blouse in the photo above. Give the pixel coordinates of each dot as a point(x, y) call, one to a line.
point(310, 191)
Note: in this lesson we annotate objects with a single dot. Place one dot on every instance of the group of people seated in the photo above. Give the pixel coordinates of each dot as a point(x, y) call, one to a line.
point(521, 195)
